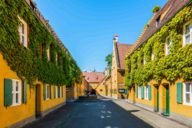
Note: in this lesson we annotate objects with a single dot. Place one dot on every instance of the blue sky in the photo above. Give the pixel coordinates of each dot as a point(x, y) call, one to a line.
point(86, 27)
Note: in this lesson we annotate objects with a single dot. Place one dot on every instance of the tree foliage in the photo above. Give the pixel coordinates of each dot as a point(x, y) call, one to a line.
point(31, 63)
point(108, 59)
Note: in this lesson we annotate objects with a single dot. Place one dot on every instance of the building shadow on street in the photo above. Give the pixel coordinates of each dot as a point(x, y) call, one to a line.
point(90, 114)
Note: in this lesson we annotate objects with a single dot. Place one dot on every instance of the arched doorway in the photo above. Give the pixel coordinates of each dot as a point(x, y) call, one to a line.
point(93, 92)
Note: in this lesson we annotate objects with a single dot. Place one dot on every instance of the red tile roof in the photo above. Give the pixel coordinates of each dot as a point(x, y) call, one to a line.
point(122, 50)
point(165, 14)
point(94, 77)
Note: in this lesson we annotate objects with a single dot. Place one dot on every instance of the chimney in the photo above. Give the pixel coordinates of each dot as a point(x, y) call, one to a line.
point(115, 38)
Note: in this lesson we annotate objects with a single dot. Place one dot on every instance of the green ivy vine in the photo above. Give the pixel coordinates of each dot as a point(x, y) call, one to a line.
point(178, 64)
point(32, 63)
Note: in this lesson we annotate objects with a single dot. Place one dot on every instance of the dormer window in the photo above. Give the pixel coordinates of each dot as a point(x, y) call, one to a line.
point(158, 21)
point(187, 37)
point(167, 46)
point(23, 32)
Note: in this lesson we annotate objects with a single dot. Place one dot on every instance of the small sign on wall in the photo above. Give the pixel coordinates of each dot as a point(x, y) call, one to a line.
point(121, 90)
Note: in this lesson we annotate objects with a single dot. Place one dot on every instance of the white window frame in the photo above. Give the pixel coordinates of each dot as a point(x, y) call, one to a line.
point(16, 92)
point(48, 54)
point(187, 34)
point(146, 92)
point(56, 58)
point(152, 56)
point(48, 88)
point(144, 61)
point(139, 92)
point(23, 32)
point(190, 93)
point(56, 91)
point(167, 46)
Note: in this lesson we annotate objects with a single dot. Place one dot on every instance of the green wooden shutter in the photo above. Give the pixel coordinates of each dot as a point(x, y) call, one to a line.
point(136, 91)
point(149, 92)
point(179, 93)
point(7, 92)
point(55, 91)
point(142, 92)
point(61, 91)
point(51, 96)
point(24, 96)
point(44, 91)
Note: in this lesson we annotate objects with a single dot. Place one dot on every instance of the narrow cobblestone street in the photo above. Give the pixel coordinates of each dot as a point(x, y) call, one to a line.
point(102, 113)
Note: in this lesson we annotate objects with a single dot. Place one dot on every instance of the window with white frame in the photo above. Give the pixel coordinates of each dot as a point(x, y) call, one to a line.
point(167, 46)
point(16, 92)
point(146, 92)
point(152, 56)
point(187, 93)
point(48, 91)
point(23, 32)
point(56, 58)
point(144, 61)
point(139, 92)
point(48, 54)
point(187, 36)
point(56, 91)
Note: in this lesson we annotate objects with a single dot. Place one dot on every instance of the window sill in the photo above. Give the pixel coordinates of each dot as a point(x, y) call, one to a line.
point(187, 104)
point(14, 105)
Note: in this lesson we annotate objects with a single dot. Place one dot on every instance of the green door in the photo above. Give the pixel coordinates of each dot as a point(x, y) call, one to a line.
point(167, 109)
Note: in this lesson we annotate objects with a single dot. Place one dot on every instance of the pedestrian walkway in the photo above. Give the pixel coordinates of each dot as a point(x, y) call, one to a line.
point(151, 118)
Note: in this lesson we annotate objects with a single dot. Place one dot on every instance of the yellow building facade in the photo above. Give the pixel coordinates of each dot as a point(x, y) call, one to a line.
point(119, 90)
point(93, 81)
point(167, 97)
point(20, 113)
point(32, 71)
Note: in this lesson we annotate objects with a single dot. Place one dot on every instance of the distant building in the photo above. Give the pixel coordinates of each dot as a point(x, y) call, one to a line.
point(93, 79)
point(105, 87)
point(118, 68)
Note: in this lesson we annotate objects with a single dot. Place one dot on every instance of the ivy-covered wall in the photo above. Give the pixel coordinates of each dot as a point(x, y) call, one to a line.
point(32, 63)
point(178, 64)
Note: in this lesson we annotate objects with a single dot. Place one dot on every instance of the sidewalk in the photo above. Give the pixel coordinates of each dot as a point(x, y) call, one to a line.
point(151, 118)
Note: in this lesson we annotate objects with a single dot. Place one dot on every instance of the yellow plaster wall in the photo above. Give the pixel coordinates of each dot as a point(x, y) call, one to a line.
point(76, 91)
point(72, 92)
point(121, 83)
point(52, 102)
point(114, 74)
point(109, 86)
point(93, 86)
point(102, 90)
point(13, 114)
point(181, 109)
point(131, 94)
